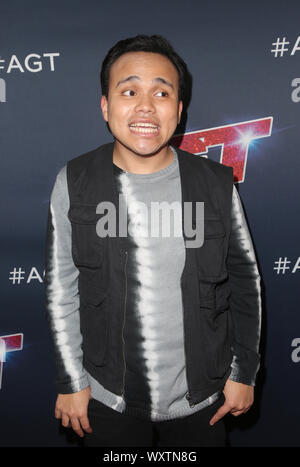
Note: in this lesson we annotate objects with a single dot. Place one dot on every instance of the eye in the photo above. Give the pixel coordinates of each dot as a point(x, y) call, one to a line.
point(128, 90)
point(163, 92)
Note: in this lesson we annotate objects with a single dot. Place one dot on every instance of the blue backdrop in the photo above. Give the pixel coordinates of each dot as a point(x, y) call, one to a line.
point(244, 112)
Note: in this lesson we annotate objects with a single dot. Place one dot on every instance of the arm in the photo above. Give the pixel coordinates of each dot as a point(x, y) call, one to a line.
point(245, 298)
point(245, 309)
point(62, 308)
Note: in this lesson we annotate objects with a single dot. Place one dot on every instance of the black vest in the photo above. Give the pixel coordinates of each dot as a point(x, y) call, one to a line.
point(102, 261)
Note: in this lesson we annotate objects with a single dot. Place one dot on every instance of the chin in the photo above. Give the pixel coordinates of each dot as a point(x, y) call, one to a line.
point(147, 151)
point(143, 150)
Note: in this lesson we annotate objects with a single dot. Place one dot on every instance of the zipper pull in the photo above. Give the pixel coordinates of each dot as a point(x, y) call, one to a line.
point(188, 397)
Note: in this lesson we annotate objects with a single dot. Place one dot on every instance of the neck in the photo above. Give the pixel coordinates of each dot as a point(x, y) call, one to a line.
point(142, 164)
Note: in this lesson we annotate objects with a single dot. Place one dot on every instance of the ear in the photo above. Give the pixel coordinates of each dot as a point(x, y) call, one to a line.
point(104, 105)
point(180, 107)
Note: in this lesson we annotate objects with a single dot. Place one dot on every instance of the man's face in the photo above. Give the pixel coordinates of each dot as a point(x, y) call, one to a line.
point(142, 108)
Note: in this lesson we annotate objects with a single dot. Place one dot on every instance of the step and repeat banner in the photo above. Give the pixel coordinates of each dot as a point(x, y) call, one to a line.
point(244, 112)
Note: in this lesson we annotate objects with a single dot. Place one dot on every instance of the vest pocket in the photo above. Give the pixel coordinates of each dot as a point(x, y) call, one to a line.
point(94, 329)
point(87, 246)
point(222, 297)
point(215, 326)
point(214, 296)
point(210, 255)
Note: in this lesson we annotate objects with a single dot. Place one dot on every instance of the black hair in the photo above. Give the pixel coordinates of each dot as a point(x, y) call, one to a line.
point(142, 43)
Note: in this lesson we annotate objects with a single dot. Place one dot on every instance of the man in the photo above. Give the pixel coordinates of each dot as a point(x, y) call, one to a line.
point(152, 336)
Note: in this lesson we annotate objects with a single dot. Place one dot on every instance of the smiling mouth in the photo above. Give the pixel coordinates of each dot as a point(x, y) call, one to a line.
point(144, 128)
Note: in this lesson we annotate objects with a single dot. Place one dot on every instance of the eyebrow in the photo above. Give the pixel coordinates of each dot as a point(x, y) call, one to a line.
point(155, 80)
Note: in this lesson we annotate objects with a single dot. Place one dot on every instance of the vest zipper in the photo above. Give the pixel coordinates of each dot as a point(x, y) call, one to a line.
point(188, 394)
point(125, 301)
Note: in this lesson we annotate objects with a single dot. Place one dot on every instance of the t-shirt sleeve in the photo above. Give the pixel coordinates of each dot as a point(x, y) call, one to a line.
point(61, 290)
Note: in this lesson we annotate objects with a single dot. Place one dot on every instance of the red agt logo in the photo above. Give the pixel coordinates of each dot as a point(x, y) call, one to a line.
point(234, 139)
point(9, 344)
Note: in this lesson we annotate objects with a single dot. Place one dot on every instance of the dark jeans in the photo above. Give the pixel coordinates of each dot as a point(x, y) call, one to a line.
point(112, 428)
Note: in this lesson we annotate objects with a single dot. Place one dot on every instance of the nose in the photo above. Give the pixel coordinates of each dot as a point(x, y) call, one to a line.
point(145, 104)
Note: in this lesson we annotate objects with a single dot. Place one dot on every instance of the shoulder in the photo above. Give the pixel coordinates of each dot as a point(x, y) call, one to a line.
point(85, 165)
point(59, 195)
point(59, 182)
point(86, 158)
point(199, 162)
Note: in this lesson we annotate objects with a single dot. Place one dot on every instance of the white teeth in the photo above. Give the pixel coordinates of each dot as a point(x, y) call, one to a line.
point(144, 130)
point(147, 125)
point(144, 127)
